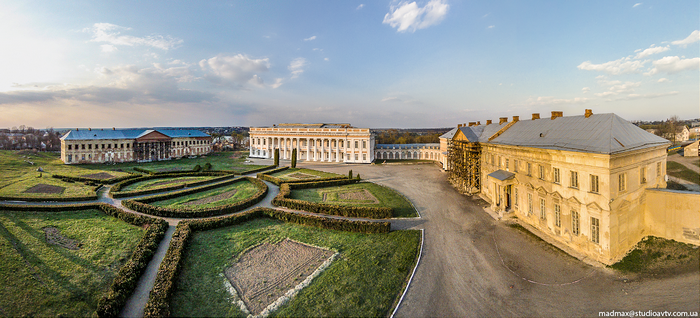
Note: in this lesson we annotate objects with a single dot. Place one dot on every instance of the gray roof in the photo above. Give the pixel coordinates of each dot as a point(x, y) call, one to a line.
point(99, 134)
point(449, 134)
point(600, 133)
point(501, 175)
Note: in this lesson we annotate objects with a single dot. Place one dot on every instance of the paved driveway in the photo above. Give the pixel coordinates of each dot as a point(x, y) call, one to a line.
point(473, 265)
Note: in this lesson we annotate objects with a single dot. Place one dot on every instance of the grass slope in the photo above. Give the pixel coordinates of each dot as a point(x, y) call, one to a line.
point(160, 183)
point(40, 279)
point(244, 189)
point(365, 279)
point(680, 171)
point(659, 256)
point(225, 160)
point(387, 197)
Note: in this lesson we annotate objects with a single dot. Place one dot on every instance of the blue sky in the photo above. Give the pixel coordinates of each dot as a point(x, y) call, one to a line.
point(374, 64)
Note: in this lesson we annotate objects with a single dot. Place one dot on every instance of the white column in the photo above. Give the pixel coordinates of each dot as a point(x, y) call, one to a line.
point(337, 150)
point(308, 150)
point(315, 149)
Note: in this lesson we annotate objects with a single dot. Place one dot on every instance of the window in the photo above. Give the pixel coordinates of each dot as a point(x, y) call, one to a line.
point(516, 197)
point(83, 148)
point(541, 168)
point(90, 146)
point(515, 165)
point(121, 146)
point(529, 203)
point(364, 156)
point(364, 144)
point(356, 145)
point(595, 230)
point(643, 175)
point(622, 182)
point(557, 176)
point(557, 215)
point(356, 157)
point(529, 169)
point(574, 179)
point(103, 146)
point(574, 222)
point(127, 146)
point(69, 148)
point(499, 162)
point(543, 214)
point(658, 169)
point(594, 184)
point(348, 157)
point(70, 157)
point(507, 164)
point(493, 160)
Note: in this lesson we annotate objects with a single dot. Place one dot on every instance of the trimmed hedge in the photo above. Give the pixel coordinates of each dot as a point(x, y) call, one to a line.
point(267, 176)
point(282, 199)
point(159, 301)
point(90, 197)
point(256, 170)
point(158, 304)
point(141, 205)
point(100, 181)
point(126, 279)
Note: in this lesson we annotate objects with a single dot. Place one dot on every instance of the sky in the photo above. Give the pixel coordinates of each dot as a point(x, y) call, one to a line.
point(378, 64)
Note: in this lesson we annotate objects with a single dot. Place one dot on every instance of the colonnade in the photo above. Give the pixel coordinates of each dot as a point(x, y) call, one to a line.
point(311, 149)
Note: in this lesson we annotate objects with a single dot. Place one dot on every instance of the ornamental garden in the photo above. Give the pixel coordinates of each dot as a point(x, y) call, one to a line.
point(252, 240)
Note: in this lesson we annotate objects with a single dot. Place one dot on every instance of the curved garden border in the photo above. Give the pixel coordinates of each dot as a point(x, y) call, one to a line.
point(141, 205)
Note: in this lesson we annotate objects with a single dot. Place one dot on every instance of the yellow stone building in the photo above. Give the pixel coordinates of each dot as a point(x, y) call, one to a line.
point(314, 142)
point(579, 179)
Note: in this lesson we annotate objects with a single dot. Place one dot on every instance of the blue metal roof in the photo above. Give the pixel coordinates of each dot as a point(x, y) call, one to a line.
point(99, 134)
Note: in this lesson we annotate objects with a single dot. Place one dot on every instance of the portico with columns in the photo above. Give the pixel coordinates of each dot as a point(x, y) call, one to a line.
point(314, 142)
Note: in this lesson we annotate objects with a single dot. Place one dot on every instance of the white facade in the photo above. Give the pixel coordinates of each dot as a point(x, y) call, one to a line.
point(314, 142)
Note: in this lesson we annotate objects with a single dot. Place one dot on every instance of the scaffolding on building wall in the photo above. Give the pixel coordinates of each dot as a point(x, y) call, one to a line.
point(463, 165)
point(151, 151)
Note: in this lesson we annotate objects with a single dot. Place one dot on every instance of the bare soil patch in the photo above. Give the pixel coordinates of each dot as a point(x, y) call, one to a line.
point(162, 183)
point(45, 188)
point(99, 176)
point(266, 272)
point(218, 197)
point(359, 195)
point(54, 237)
point(301, 175)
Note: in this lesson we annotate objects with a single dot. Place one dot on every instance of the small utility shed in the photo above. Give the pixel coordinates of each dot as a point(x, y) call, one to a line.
point(691, 150)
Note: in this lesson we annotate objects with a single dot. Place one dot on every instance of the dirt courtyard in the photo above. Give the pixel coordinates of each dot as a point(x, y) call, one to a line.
point(475, 266)
point(45, 188)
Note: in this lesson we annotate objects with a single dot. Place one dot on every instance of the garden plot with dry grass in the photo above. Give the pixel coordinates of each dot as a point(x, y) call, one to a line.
point(359, 194)
point(257, 261)
point(60, 263)
point(295, 174)
point(227, 194)
point(164, 182)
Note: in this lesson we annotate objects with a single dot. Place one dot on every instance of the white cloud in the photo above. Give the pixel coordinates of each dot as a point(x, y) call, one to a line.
point(645, 96)
point(108, 48)
point(111, 33)
point(663, 80)
point(297, 66)
point(234, 70)
point(391, 99)
point(674, 64)
point(650, 51)
point(310, 38)
point(585, 90)
point(693, 37)
point(636, 5)
point(491, 26)
point(360, 6)
point(326, 59)
point(616, 87)
point(616, 67)
point(409, 17)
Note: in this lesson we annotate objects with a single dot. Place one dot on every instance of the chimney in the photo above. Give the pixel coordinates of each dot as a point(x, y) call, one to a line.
point(516, 118)
point(471, 123)
point(114, 128)
point(478, 123)
point(502, 120)
point(77, 129)
point(459, 125)
point(557, 114)
point(589, 113)
point(488, 121)
point(535, 116)
point(89, 129)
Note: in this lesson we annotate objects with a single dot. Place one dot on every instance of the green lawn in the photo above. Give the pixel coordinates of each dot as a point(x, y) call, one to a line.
point(386, 196)
point(658, 256)
point(244, 189)
point(40, 279)
point(680, 171)
point(298, 174)
point(164, 182)
point(219, 161)
point(364, 280)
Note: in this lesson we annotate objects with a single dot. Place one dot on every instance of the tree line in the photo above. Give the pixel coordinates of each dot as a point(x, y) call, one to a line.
point(396, 136)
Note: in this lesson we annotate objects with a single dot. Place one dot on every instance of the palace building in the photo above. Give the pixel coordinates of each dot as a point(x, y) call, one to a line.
point(123, 145)
point(580, 179)
point(408, 152)
point(314, 142)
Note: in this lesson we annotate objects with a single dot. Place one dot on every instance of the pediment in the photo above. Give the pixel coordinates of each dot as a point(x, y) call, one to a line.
point(542, 192)
point(574, 201)
point(153, 135)
point(594, 206)
point(556, 195)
